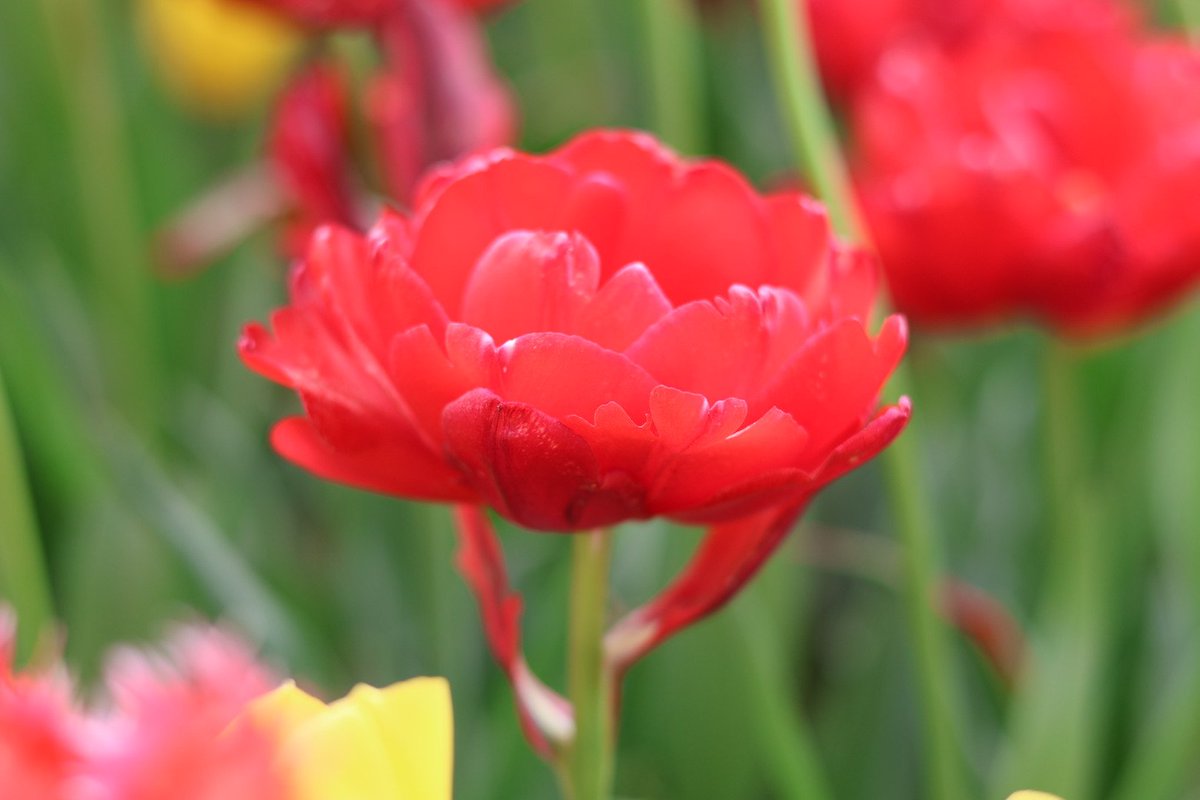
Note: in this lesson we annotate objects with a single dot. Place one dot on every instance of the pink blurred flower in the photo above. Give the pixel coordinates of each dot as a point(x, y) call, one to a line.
point(38, 727)
point(169, 734)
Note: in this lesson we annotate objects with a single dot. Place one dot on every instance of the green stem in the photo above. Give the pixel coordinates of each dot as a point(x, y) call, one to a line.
point(803, 104)
point(920, 565)
point(1189, 12)
point(23, 580)
point(1057, 712)
point(675, 66)
point(590, 759)
point(794, 767)
point(815, 139)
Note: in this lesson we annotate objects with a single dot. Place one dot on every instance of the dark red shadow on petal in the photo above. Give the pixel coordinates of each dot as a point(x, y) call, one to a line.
point(533, 468)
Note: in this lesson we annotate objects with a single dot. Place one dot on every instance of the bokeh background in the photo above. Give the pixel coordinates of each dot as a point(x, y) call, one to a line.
point(133, 454)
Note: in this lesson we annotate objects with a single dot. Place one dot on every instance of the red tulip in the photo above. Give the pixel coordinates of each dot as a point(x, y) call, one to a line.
point(601, 334)
point(308, 144)
point(851, 38)
point(1002, 180)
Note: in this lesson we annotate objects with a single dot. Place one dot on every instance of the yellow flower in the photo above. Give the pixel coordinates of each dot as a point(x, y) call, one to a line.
point(373, 744)
point(1032, 795)
point(219, 58)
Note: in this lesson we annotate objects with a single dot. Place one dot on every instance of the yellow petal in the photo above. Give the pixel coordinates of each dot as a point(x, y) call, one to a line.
point(283, 710)
point(1032, 795)
point(376, 744)
point(217, 57)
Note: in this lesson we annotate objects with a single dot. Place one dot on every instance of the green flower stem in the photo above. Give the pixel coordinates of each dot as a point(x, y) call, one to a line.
point(818, 154)
point(23, 581)
point(591, 754)
point(675, 67)
point(1189, 12)
point(795, 770)
point(1163, 755)
point(805, 113)
point(1057, 712)
point(920, 568)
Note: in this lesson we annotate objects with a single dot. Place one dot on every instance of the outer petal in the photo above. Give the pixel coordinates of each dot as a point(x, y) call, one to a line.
point(402, 467)
point(394, 742)
point(747, 464)
point(533, 468)
point(709, 233)
point(831, 385)
point(733, 552)
point(729, 556)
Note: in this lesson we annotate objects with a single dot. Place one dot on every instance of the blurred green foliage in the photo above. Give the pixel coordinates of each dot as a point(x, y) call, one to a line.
point(140, 451)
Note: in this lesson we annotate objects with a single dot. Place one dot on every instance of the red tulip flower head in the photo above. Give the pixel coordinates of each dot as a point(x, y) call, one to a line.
point(999, 181)
point(601, 334)
point(852, 38)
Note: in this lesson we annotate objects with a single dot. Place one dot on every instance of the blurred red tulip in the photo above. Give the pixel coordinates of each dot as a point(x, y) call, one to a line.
point(434, 97)
point(851, 38)
point(573, 339)
point(308, 143)
point(1036, 175)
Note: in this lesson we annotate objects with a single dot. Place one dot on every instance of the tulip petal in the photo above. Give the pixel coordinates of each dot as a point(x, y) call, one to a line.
point(628, 303)
point(709, 234)
point(564, 375)
point(800, 231)
point(735, 464)
point(530, 466)
point(545, 716)
point(403, 467)
point(729, 556)
point(531, 281)
point(831, 385)
point(516, 193)
point(727, 347)
point(429, 375)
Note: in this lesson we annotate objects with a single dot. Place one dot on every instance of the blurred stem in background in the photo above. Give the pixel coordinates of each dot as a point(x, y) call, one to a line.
point(1189, 11)
point(1163, 755)
point(590, 758)
point(120, 279)
point(674, 52)
point(1056, 713)
point(794, 770)
point(809, 123)
point(811, 128)
point(23, 578)
point(674, 59)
